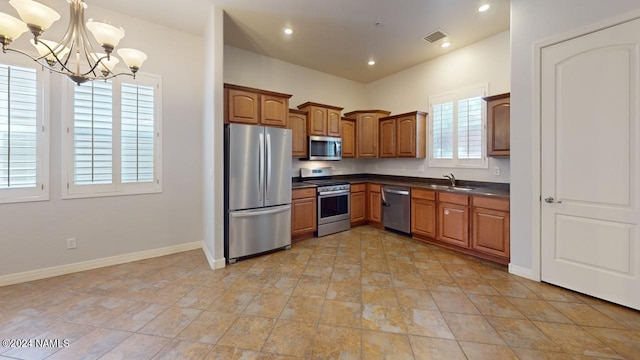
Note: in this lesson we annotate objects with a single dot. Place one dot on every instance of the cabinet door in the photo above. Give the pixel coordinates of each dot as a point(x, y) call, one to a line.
point(423, 217)
point(317, 121)
point(274, 111)
point(375, 207)
point(388, 138)
point(298, 126)
point(333, 123)
point(367, 136)
point(358, 206)
point(243, 107)
point(303, 216)
point(453, 224)
point(498, 127)
point(491, 232)
point(348, 138)
point(406, 138)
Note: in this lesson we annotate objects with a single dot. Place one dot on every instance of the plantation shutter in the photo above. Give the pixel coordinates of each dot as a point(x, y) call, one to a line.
point(137, 133)
point(18, 127)
point(443, 131)
point(93, 133)
point(470, 128)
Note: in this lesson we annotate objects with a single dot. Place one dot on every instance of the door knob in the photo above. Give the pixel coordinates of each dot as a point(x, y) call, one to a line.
point(551, 200)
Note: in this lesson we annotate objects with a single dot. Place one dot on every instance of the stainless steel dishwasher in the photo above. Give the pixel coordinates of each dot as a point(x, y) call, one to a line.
point(396, 208)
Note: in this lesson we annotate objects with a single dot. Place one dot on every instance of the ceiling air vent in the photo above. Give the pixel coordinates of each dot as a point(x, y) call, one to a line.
point(435, 36)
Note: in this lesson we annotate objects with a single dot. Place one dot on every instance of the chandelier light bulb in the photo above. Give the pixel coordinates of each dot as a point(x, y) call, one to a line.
point(47, 52)
point(371, 62)
point(288, 31)
point(105, 65)
point(133, 58)
point(106, 34)
point(11, 28)
point(38, 17)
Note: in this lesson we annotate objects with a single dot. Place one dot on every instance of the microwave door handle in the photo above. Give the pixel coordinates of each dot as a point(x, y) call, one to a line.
point(268, 147)
point(260, 166)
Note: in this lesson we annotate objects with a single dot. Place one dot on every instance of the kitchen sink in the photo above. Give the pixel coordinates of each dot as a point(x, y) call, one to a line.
point(459, 188)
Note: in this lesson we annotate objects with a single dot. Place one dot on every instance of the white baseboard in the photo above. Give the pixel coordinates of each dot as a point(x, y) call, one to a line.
point(94, 264)
point(213, 263)
point(522, 272)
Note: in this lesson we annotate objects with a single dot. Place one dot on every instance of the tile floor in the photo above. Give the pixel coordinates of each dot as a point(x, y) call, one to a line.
point(362, 294)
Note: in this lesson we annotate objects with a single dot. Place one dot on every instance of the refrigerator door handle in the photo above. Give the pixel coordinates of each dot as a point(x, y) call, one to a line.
point(260, 166)
point(250, 213)
point(268, 147)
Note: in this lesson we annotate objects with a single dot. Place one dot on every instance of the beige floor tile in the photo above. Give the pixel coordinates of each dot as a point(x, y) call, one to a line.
point(170, 322)
point(383, 318)
point(137, 347)
point(410, 280)
point(63, 331)
point(550, 292)
point(529, 354)
point(25, 327)
point(575, 340)
point(474, 328)
point(208, 327)
point(346, 274)
point(430, 348)
point(291, 338)
point(248, 332)
point(267, 305)
point(454, 302)
point(441, 283)
point(476, 286)
point(341, 313)
point(379, 295)
point(200, 298)
point(374, 278)
point(426, 323)
point(303, 309)
point(232, 301)
point(344, 291)
point(461, 271)
point(137, 315)
point(340, 343)
point(476, 351)
point(522, 333)
point(311, 286)
point(583, 314)
point(233, 353)
point(183, 350)
point(430, 268)
point(539, 310)
point(321, 272)
point(495, 306)
point(416, 299)
point(280, 285)
point(91, 346)
point(513, 289)
point(626, 316)
point(41, 303)
point(624, 342)
point(383, 345)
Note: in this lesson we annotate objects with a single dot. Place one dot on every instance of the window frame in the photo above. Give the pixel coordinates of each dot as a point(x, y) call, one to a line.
point(455, 96)
point(117, 187)
point(41, 191)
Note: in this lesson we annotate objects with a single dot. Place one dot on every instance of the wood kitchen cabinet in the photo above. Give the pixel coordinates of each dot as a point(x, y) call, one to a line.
point(453, 219)
point(423, 212)
point(367, 129)
point(490, 230)
point(498, 125)
point(404, 135)
point(374, 204)
point(358, 204)
point(246, 105)
point(348, 134)
point(303, 213)
point(298, 125)
point(323, 120)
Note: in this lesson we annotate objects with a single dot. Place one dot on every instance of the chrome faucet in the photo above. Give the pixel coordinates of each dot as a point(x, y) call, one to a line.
point(451, 178)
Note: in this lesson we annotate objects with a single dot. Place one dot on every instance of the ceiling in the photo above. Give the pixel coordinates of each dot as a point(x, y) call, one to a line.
point(337, 37)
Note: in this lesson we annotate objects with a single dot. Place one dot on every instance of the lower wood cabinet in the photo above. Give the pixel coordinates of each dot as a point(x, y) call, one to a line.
point(491, 226)
point(358, 204)
point(303, 213)
point(453, 224)
point(375, 204)
point(423, 212)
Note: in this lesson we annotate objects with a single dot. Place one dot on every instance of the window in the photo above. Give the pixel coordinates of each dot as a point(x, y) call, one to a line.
point(113, 137)
point(457, 129)
point(23, 134)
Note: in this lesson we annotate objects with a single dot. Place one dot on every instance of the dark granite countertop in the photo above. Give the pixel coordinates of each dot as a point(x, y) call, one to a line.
point(476, 187)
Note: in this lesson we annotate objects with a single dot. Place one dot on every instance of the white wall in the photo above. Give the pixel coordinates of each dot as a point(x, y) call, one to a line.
point(533, 21)
point(487, 61)
point(32, 235)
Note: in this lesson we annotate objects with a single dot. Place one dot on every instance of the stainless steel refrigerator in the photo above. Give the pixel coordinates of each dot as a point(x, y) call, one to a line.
point(257, 190)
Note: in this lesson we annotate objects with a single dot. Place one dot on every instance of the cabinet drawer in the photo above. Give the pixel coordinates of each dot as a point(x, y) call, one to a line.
point(303, 193)
point(453, 198)
point(358, 188)
point(374, 187)
point(423, 194)
point(491, 203)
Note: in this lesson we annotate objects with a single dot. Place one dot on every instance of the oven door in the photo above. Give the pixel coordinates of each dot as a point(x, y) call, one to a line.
point(325, 148)
point(333, 206)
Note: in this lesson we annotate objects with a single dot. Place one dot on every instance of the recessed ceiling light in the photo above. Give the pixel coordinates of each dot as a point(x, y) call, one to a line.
point(445, 44)
point(288, 31)
point(371, 62)
point(484, 7)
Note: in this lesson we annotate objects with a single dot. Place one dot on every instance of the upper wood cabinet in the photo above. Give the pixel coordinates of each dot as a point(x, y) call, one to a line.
point(367, 129)
point(324, 120)
point(404, 135)
point(498, 125)
point(348, 134)
point(298, 125)
point(254, 106)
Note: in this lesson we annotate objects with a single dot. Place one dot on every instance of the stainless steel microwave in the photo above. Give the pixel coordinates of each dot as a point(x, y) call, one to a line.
point(325, 148)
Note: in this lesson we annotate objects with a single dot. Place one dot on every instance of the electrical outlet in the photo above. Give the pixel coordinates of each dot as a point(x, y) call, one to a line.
point(71, 243)
point(496, 171)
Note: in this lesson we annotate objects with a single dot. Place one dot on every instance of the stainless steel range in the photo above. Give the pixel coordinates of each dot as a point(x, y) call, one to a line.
point(334, 205)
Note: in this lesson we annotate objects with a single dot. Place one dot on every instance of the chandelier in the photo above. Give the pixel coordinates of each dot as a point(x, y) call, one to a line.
point(74, 55)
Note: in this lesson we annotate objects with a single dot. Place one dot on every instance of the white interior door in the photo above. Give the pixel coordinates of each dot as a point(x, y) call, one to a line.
point(590, 130)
